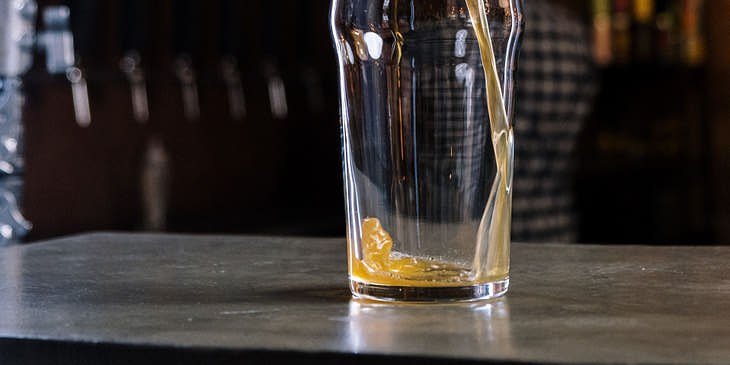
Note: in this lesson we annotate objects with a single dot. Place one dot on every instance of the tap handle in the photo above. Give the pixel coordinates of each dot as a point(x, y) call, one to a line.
point(133, 32)
point(184, 47)
point(57, 39)
point(189, 87)
point(58, 42)
point(234, 87)
point(230, 49)
point(130, 66)
point(80, 94)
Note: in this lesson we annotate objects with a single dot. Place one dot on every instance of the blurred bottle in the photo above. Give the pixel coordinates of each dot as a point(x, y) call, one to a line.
point(693, 42)
point(621, 32)
point(667, 30)
point(602, 53)
point(643, 29)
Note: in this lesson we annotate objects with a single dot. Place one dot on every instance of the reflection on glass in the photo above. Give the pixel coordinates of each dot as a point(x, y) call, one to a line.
point(374, 44)
point(482, 327)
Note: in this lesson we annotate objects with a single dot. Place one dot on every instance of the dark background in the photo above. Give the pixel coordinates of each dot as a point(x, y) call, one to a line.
point(652, 164)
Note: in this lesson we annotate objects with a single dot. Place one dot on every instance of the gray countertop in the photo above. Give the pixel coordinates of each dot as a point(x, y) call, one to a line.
point(235, 298)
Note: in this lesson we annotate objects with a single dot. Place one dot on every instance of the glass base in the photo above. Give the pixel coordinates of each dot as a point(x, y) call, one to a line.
point(429, 294)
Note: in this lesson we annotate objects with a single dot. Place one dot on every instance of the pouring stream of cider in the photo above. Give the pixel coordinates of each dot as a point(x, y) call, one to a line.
point(495, 224)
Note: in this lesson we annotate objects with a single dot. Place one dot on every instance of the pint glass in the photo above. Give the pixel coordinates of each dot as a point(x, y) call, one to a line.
point(426, 93)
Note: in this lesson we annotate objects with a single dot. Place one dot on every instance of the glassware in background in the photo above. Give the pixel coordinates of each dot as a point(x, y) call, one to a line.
point(17, 38)
point(426, 104)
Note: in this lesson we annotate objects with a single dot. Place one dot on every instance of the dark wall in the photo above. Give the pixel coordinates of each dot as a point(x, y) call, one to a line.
point(258, 174)
point(652, 167)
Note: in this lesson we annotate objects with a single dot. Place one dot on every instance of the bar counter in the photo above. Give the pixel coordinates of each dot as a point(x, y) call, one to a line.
point(114, 298)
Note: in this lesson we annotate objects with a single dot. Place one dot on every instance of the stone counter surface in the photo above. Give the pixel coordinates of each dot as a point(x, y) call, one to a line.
point(189, 299)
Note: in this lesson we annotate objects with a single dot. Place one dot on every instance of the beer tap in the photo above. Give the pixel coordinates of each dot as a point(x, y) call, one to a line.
point(134, 26)
point(154, 174)
point(58, 42)
point(183, 48)
point(80, 94)
point(272, 45)
point(130, 64)
point(84, 16)
point(230, 48)
point(276, 89)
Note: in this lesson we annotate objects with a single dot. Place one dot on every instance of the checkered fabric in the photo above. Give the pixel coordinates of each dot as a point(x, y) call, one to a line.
point(555, 89)
point(439, 150)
